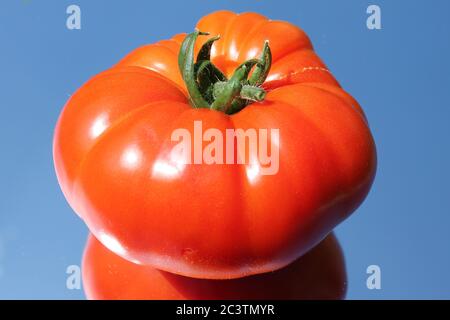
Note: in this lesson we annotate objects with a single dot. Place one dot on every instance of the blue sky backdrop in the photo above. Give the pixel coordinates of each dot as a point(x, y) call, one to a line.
point(400, 75)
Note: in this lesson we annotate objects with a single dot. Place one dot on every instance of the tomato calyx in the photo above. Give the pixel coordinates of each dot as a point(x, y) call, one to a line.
point(209, 88)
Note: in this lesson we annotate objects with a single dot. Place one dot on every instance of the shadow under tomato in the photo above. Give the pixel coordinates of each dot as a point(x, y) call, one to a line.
point(319, 274)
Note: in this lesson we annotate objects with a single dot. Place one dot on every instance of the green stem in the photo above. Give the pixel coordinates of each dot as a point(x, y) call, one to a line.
point(208, 87)
point(252, 93)
point(262, 70)
point(205, 51)
point(187, 68)
point(248, 92)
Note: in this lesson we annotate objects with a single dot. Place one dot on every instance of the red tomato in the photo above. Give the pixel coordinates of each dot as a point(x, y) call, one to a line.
point(114, 160)
point(319, 274)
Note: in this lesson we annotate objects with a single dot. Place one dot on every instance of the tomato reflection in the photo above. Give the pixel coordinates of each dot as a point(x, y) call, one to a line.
point(320, 274)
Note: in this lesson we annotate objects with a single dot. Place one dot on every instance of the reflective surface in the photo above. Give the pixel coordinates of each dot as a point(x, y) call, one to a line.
point(399, 74)
point(320, 274)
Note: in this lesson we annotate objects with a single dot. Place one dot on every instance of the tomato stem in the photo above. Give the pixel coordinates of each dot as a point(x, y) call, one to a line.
point(209, 88)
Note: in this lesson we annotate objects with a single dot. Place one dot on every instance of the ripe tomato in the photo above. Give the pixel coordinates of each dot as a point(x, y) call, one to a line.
point(113, 150)
point(319, 274)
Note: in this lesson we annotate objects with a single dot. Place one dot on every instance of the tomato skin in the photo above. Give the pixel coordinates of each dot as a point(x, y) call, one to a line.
point(101, 101)
point(112, 145)
point(319, 274)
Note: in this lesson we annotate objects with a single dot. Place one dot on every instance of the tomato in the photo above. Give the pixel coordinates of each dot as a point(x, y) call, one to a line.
point(319, 274)
point(115, 161)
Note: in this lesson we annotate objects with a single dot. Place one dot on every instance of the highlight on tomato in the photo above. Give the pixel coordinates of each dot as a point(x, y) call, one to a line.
point(114, 150)
point(319, 274)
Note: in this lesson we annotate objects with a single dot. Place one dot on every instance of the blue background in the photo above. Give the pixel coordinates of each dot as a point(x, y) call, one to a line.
point(400, 75)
